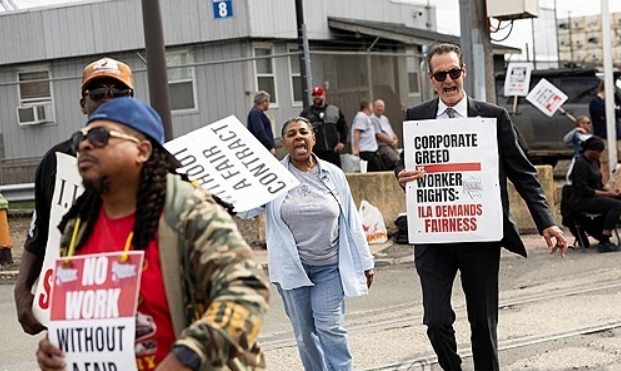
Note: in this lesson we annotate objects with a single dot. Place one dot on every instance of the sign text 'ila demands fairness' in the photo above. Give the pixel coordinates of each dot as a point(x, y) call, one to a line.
point(458, 198)
point(226, 159)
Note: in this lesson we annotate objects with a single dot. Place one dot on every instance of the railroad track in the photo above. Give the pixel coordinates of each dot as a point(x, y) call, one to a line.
point(426, 362)
point(420, 361)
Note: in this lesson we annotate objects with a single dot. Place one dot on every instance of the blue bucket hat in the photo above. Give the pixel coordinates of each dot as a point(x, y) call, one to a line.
point(133, 113)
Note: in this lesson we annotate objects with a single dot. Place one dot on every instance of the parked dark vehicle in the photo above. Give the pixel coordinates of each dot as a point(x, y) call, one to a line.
point(541, 136)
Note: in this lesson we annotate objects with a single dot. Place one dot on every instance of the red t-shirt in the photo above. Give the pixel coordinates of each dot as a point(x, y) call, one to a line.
point(154, 330)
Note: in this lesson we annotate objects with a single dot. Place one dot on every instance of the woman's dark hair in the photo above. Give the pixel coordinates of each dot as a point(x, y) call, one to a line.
point(150, 200)
point(296, 119)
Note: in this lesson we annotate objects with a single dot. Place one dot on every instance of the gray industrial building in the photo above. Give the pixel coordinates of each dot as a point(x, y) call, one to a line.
point(219, 52)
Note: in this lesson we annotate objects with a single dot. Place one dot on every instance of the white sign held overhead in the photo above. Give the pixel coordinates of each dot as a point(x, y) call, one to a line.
point(223, 157)
point(517, 80)
point(546, 97)
point(228, 161)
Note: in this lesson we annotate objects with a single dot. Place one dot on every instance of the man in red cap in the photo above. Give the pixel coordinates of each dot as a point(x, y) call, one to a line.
point(102, 80)
point(330, 127)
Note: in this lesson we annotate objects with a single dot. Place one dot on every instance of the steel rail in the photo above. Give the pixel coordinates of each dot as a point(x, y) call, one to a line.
point(279, 341)
point(425, 362)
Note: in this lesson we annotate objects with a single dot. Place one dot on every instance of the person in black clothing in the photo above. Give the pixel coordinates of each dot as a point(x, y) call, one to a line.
point(259, 124)
point(102, 80)
point(437, 264)
point(597, 111)
point(330, 127)
point(589, 193)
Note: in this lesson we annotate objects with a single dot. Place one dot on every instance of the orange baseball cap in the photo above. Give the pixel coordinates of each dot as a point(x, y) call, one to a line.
point(108, 68)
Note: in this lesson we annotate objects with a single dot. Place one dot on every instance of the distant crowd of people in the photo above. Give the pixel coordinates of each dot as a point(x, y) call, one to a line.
point(372, 136)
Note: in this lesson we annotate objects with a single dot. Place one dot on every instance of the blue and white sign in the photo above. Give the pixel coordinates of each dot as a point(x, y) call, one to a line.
point(222, 8)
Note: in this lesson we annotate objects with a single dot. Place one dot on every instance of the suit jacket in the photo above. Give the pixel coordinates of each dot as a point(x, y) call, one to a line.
point(513, 165)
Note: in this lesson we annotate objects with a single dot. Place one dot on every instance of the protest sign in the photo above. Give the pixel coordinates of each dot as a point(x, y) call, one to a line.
point(226, 159)
point(67, 188)
point(93, 310)
point(223, 157)
point(458, 198)
point(546, 97)
point(517, 79)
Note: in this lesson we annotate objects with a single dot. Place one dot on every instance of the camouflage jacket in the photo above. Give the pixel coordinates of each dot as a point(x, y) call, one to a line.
point(217, 293)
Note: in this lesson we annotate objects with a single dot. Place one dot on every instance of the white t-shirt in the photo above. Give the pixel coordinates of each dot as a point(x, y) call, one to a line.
point(367, 142)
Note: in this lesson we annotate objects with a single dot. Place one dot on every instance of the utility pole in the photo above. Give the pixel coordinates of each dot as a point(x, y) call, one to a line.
point(609, 88)
point(157, 74)
point(305, 69)
point(476, 45)
point(532, 29)
point(465, 39)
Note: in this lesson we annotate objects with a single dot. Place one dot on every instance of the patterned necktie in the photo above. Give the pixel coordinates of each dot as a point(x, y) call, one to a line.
point(450, 112)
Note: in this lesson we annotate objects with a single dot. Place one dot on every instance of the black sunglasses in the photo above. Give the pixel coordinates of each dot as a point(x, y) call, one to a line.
point(98, 136)
point(102, 91)
point(455, 73)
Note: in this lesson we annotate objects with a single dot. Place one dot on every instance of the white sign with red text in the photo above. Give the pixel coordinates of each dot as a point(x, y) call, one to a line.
point(67, 188)
point(93, 310)
point(458, 198)
point(546, 97)
point(517, 80)
point(224, 157)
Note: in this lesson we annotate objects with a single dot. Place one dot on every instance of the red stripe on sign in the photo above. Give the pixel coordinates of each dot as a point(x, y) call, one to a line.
point(448, 168)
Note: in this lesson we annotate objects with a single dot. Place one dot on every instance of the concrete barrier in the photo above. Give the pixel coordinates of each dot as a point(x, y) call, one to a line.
point(382, 190)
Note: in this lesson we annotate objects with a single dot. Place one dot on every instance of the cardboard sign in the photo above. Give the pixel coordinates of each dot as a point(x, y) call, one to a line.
point(67, 188)
point(517, 79)
point(458, 198)
point(546, 97)
point(227, 160)
point(93, 310)
point(224, 157)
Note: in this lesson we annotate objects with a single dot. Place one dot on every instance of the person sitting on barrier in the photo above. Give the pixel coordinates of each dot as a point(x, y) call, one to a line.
point(575, 137)
point(589, 195)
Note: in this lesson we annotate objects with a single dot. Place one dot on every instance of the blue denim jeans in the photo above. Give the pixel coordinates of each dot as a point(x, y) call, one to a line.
point(317, 314)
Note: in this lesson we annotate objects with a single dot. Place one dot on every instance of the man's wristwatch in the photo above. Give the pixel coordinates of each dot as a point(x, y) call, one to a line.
point(187, 357)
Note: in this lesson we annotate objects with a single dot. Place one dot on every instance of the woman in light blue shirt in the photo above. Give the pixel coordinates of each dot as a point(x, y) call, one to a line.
point(317, 251)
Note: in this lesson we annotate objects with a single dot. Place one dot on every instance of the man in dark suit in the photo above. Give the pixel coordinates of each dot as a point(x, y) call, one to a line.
point(478, 262)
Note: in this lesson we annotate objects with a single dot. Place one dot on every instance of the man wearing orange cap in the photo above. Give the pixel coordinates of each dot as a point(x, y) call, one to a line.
point(102, 80)
point(330, 127)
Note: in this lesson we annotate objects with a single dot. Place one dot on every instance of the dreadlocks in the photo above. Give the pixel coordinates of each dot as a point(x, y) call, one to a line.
point(149, 201)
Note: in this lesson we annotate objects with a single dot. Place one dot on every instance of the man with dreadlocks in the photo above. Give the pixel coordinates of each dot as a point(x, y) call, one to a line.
point(206, 303)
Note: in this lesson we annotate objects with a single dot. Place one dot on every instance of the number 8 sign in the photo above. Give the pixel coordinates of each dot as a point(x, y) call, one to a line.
point(222, 9)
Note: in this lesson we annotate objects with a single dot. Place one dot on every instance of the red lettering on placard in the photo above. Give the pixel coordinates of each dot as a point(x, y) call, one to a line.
point(44, 297)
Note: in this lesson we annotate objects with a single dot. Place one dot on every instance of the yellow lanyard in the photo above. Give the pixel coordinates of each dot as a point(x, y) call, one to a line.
point(74, 237)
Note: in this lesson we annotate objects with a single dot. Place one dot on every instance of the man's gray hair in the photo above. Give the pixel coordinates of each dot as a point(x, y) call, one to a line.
point(260, 96)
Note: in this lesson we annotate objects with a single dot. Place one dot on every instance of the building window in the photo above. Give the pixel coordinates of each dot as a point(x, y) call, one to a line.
point(181, 80)
point(264, 71)
point(35, 96)
point(296, 78)
point(413, 70)
point(413, 83)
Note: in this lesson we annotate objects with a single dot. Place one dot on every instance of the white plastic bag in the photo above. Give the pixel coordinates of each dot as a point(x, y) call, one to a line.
point(350, 163)
point(373, 223)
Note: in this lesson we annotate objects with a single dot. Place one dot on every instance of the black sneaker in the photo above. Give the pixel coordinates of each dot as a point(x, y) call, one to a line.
point(606, 247)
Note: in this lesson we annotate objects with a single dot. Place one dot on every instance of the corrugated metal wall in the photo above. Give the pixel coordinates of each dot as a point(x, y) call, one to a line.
point(69, 37)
